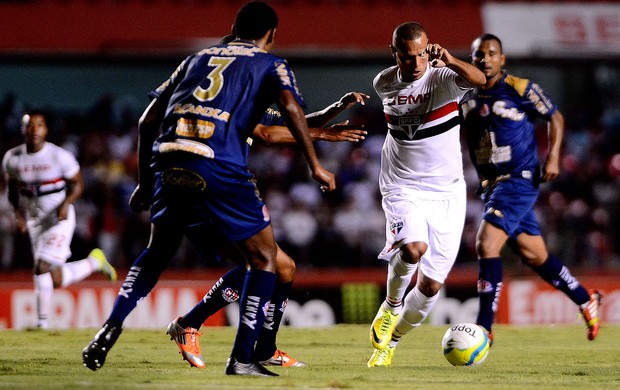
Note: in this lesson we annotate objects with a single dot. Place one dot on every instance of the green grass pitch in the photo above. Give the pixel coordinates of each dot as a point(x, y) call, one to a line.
point(544, 357)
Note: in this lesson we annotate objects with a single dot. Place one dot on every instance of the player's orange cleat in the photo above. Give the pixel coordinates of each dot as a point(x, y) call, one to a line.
point(590, 314)
point(187, 341)
point(491, 337)
point(281, 358)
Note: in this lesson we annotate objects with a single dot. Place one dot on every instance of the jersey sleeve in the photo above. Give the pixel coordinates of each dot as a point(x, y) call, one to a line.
point(448, 77)
point(536, 101)
point(533, 98)
point(281, 77)
point(165, 90)
point(70, 166)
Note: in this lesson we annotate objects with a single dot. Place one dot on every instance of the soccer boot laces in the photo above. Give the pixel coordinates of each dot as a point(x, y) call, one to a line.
point(187, 341)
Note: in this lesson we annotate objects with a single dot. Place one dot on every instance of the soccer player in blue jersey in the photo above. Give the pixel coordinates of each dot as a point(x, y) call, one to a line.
point(196, 172)
point(499, 121)
point(184, 330)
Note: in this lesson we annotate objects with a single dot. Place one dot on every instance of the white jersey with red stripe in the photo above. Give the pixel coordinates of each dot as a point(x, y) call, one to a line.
point(422, 151)
point(41, 177)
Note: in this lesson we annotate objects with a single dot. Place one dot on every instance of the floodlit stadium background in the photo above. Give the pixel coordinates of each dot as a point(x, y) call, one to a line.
point(91, 63)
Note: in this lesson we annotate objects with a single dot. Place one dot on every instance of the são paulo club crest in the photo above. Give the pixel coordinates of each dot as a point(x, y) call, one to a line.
point(395, 227)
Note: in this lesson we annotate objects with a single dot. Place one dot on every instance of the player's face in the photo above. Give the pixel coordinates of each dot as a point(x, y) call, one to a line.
point(411, 57)
point(487, 56)
point(36, 131)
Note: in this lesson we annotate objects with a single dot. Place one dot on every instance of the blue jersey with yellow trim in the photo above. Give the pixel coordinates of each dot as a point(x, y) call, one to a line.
point(217, 96)
point(500, 123)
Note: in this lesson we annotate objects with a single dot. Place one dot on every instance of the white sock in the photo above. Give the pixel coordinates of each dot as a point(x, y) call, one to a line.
point(399, 277)
point(77, 270)
point(415, 310)
point(43, 290)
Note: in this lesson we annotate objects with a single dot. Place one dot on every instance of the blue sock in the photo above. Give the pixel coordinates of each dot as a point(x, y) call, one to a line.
point(141, 278)
point(489, 288)
point(555, 273)
point(224, 292)
point(255, 296)
point(266, 344)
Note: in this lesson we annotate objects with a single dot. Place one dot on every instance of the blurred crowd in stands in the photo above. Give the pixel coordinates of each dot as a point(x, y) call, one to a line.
point(580, 212)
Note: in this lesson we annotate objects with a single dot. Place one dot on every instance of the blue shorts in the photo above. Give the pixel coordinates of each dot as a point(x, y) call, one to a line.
point(192, 190)
point(509, 205)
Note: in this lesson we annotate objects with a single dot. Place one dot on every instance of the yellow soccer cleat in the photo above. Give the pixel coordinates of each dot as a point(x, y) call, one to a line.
point(381, 328)
point(382, 357)
point(104, 266)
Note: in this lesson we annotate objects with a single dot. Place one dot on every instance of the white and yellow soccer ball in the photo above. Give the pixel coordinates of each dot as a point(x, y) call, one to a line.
point(465, 344)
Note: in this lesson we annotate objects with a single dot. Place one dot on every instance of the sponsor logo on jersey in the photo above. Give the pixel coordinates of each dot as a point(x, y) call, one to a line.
point(210, 112)
point(184, 179)
point(408, 99)
point(500, 109)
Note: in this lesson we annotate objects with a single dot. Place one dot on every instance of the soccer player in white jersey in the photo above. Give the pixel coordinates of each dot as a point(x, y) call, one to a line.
point(421, 180)
point(43, 181)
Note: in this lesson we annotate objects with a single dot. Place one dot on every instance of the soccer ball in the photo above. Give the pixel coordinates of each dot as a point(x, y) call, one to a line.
point(465, 344)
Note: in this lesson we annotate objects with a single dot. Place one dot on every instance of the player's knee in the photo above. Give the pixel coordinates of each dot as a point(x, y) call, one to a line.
point(285, 267)
point(42, 267)
point(412, 253)
point(485, 249)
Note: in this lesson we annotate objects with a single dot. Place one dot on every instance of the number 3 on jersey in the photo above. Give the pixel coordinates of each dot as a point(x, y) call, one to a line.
point(215, 77)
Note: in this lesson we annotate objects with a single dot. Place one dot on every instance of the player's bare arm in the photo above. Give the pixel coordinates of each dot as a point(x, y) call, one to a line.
point(468, 73)
point(148, 128)
point(323, 117)
point(296, 120)
point(281, 135)
point(13, 193)
point(75, 188)
point(555, 130)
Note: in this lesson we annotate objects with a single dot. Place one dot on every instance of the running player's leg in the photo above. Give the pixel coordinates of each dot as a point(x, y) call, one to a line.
point(533, 252)
point(267, 351)
point(141, 278)
point(260, 251)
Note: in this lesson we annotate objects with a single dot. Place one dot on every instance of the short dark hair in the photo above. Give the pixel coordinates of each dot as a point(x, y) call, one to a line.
point(254, 19)
point(408, 31)
point(488, 37)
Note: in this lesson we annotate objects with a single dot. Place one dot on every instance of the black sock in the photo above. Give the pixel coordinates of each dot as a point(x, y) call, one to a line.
point(255, 296)
point(225, 291)
point(555, 273)
point(266, 344)
point(489, 289)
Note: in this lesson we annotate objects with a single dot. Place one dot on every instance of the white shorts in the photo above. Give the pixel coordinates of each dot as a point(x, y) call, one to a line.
point(51, 238)
point(438, 223)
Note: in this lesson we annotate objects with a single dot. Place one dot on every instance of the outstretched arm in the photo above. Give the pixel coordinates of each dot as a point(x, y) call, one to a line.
point(323, 117)
point(339, 132)
point(278, 135)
